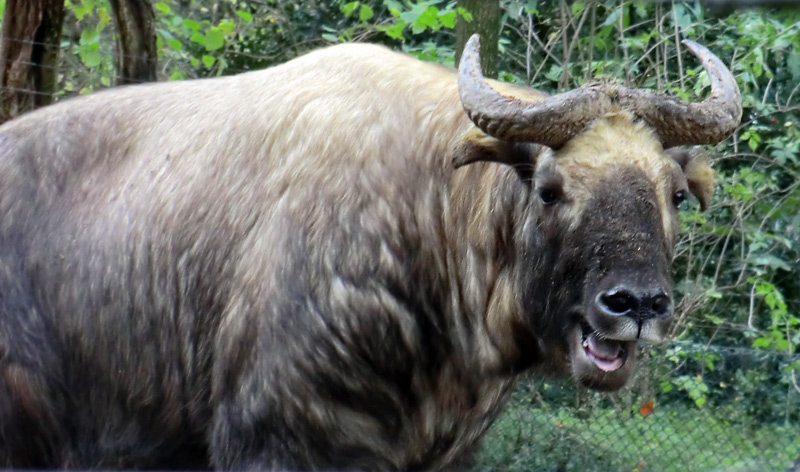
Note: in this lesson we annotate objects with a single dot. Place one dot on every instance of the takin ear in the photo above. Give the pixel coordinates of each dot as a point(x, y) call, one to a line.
point(477, 146)
point(698, 173)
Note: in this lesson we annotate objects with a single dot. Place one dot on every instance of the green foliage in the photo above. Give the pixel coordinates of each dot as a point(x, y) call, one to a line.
point(423, 28)
point(694, 386)
point(91, 23)
point(202, 41)
point(591, 435)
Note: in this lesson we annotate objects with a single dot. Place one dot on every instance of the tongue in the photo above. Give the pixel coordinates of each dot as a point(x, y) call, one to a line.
point(607, 355)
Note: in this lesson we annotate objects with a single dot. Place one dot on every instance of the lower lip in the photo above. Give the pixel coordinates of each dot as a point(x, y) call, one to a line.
point(606, 365)
point(603, 363)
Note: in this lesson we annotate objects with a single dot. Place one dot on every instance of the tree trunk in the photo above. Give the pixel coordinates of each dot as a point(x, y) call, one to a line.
point(486, 16)
point(136, 45)
point(29, 55)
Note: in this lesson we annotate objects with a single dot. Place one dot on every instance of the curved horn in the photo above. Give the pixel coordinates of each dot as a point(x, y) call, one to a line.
point(555, 120)
point(678, 122)
point(552, 121)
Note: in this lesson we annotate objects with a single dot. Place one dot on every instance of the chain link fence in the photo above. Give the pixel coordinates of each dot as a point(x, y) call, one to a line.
point(690, 408)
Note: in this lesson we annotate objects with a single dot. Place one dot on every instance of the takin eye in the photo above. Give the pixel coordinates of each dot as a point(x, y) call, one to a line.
point(679, 197)
point(548, 196)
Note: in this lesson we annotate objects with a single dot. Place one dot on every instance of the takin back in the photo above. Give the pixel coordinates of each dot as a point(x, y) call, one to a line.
point(342, 262)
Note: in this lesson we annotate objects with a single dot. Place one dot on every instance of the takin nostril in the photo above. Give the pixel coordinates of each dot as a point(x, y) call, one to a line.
point(661, 305)
point(618, 302)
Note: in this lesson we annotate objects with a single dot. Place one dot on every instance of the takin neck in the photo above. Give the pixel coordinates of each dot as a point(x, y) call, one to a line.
point(485, 221)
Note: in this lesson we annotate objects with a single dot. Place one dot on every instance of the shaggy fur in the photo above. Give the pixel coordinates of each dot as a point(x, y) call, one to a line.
point(284, 270)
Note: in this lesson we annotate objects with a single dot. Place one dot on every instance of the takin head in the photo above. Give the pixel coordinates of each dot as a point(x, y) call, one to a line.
point(605, 184)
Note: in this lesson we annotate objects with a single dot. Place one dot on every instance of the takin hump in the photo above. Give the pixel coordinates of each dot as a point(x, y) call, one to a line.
point(341, 262)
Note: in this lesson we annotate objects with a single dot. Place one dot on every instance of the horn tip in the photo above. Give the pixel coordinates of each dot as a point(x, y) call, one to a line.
point(474, 41)
point(470, 58)
point(696, 48)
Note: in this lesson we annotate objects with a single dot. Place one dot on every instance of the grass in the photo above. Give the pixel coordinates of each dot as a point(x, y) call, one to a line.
point(673, 438)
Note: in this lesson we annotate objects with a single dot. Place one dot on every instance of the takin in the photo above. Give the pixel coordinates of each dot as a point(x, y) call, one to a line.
point(341, 262)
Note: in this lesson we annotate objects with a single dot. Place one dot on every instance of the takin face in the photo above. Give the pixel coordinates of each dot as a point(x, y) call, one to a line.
point(602, 213)
point(605, 233)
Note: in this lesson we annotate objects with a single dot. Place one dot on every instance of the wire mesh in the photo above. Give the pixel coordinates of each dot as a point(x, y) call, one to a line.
point(681, 413)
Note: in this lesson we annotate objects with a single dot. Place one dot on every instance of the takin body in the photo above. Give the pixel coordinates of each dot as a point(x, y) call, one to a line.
point(342, 262)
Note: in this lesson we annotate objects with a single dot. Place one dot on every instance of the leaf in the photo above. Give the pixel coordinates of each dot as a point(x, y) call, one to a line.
point(773, 262)
point(162, 7)
point(762, 342)
point(365, 13)
point(192, 25)
point(165, 33)
point(758, 69)
point(246, 16)
point(175, 44)
point(90, 36)
point(197, 38)
point(215, 39)
point(105, 17)
point(611, 19)
point(394, 31)
point(647, 408)
point(227, 26)
point(395, 7)
point(641, 8)
point(410, 16)
point(681, 17)
point(682, 94)
point(348, 8)
point(700, 401)
point(554, 74)
point(330, 37)
point(92, 58)
point(208, 61)
point(764, 288)
point(448, 19)
point(81, 11)
point(740, 192)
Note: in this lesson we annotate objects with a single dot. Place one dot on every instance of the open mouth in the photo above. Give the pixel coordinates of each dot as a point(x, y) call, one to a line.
point(607, 354)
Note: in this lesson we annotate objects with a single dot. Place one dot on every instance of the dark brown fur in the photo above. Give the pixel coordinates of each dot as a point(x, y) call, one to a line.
point(282, 270)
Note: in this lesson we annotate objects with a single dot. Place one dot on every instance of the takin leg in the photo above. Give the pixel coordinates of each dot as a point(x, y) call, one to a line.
point(29, 433)
point(31, 436)
point(301, 394)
